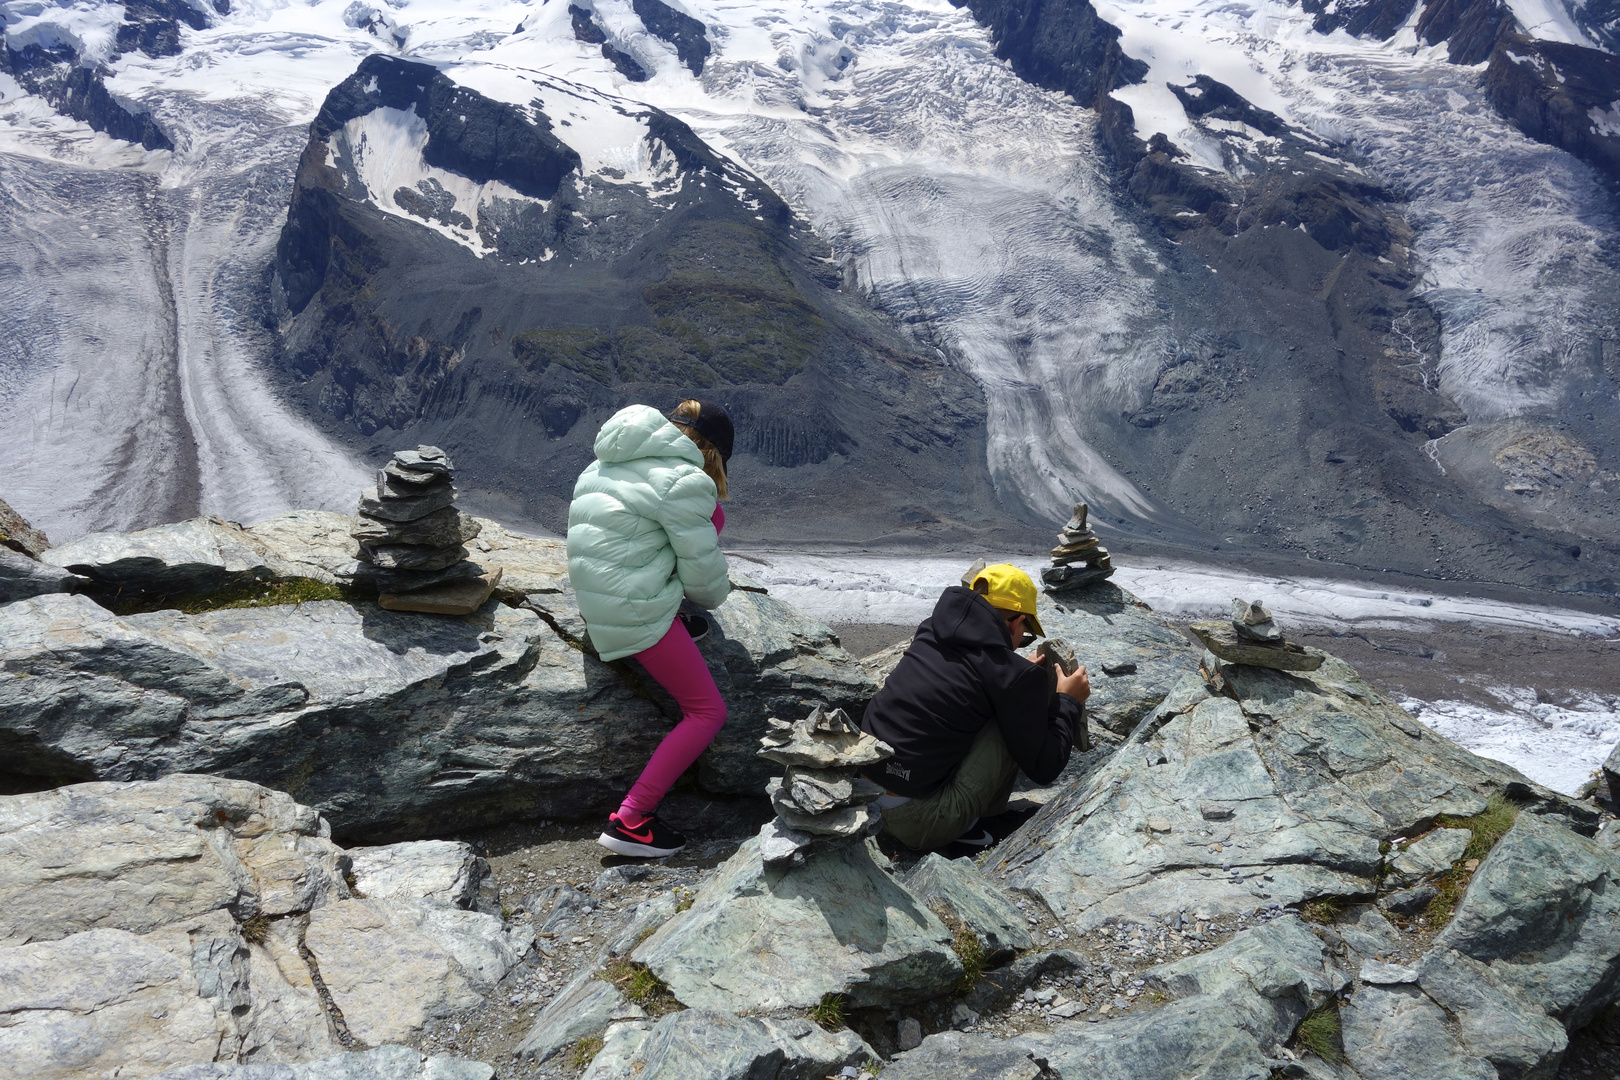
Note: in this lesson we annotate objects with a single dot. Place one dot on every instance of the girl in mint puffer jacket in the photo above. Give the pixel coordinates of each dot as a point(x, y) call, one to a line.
point(643, 532)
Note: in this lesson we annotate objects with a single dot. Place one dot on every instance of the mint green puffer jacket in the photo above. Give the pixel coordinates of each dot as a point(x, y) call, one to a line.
point(640, 535)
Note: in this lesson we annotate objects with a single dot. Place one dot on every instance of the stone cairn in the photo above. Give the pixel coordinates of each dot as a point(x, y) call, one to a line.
point(412, 538)
point(822, 802)
point(1079, 559)
point(1251, 637)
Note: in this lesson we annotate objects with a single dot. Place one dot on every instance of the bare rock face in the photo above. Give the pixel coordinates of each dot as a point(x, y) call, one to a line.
point(195, 920)
point(374, 716)
point(383, 1063)
point(1316, 771)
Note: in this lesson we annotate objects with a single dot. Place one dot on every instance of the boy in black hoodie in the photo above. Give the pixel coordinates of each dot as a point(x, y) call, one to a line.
point(964, 712)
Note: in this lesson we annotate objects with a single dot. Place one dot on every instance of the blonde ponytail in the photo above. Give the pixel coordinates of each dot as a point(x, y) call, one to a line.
point(713, 464)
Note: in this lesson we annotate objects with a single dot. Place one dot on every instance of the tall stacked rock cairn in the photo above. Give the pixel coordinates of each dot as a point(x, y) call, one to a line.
point(1079, 559)
point(822, 802)
point(1252, 637)
point(413, 539)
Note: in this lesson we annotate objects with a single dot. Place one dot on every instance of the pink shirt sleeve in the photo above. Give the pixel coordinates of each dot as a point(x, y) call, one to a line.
point(719, 518)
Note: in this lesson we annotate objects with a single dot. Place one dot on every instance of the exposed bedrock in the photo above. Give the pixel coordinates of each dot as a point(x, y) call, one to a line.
point(389, 723)
point(506, 326)
point(1563, 95)
point(193, 920)
point(1308, 363)
point(202, 927)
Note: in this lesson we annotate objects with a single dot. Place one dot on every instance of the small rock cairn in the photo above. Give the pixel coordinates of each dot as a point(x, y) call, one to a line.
point(412, 538)
point(822, 802)
point(1079, 559)
point(1251, 637)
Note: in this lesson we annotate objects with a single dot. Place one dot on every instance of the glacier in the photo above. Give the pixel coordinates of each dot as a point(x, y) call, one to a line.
point(972, 207)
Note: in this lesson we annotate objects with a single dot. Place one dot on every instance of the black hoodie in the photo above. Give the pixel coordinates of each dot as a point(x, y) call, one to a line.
point(959, 674)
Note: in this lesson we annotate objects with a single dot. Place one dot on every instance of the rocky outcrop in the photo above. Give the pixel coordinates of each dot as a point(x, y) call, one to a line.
point(81, 92)
point(757, 937)
point(1268, 790)
point(196, 920)
point(678, 28)
point(19, 536)
point(1562, 95)
point(390, 723)
point(1228, 1010)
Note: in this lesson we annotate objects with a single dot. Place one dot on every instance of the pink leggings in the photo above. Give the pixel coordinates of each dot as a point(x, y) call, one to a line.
point(679, 668)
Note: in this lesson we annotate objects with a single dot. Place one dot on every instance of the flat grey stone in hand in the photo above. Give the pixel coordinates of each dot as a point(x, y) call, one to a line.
point(822, 740)
point(1221, 639)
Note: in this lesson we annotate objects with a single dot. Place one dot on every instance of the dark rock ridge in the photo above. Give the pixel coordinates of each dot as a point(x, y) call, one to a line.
point(1309, 336)
point(1469, 28)
point(595, 292)
point(679, 29)
point(1562, 95)
point(80, 92)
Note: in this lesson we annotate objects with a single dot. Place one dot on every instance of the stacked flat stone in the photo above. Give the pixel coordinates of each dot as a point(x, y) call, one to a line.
point(822, 802)
point(1252, 637)
point(413, 539)
point(1079, 559)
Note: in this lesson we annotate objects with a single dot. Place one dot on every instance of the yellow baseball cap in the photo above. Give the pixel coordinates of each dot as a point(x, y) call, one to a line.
point(1011, 589)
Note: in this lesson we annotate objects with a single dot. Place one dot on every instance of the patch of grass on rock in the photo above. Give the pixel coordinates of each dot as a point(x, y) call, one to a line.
point(829, 1012)
point(1324, 910)
point(637, 982)
point(1488, 826)
point(250, 594)
point(1320, 1034)
point(585, 1051)
point(970, 950)
point(255, 928)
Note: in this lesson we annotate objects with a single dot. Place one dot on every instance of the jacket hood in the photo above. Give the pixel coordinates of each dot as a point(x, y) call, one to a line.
point(640, 431)
point(963, 617)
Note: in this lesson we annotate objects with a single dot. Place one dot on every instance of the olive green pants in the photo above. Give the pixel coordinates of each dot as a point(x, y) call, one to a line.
point(981, 787)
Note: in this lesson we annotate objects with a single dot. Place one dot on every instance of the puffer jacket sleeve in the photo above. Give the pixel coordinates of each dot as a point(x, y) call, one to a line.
point(685, 512)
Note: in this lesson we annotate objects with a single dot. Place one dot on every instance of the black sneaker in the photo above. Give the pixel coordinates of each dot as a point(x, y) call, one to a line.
point(696, 625)
point(652, 839)
point(977, 838)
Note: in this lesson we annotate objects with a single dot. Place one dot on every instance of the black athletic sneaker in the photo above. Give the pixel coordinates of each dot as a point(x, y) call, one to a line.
point(652, 839)
point(977, 838)
point(696, 625)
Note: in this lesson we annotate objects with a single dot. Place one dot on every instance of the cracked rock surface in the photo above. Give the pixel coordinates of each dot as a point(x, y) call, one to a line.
point(193, 919)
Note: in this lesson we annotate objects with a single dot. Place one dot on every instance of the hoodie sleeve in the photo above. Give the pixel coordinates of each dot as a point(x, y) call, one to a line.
point(1038, 725)
point(686, 513)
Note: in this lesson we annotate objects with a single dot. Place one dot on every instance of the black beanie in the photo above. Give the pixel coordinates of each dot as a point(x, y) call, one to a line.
point(713, 424)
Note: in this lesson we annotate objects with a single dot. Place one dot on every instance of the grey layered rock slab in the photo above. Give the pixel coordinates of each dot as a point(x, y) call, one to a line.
point(312, 544)
point(1396, 1032)
point(1229, 1009)
point(190, 556)
point(383, 1063)
point(22, 577)
point(392, 965)
point(957, 886)
point(703, 1044)
point(137, 857)
point(1493, 1019)
point(108, 1002)
point(951, 1055)
point(19, 536)
point(1543, 910)
point(1317, 771)
point(1222, 639)
point(445, 870)
point(384, 721)
point(759, 937)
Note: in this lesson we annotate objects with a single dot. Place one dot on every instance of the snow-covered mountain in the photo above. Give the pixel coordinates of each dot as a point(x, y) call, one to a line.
point(1327, 279)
